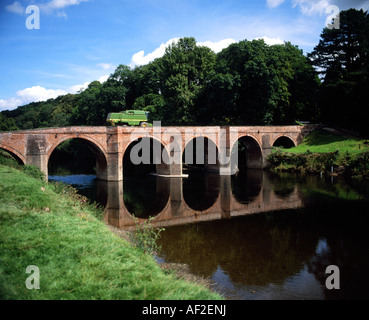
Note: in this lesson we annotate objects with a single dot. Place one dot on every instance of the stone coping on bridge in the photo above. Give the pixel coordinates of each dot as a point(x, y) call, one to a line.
point(109, 144)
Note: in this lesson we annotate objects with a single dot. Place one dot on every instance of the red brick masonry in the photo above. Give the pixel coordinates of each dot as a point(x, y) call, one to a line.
point(110, 143)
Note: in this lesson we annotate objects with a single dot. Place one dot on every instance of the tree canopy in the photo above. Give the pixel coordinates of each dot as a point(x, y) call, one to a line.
point(342, 58)
point(247, 83)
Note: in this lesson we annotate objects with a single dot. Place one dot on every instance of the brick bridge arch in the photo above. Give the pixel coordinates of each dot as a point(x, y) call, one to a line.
point(94, 145)
point(285, 140)
point(162, 168)
point(109, 143)
point(15, 153)
point(254, 152)
point(209, 156)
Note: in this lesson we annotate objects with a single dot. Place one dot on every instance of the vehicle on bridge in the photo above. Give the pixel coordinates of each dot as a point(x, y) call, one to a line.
point(129, 117)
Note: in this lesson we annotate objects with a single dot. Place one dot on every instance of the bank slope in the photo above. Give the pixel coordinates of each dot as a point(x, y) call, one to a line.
point(324, 151)
point(77, 255)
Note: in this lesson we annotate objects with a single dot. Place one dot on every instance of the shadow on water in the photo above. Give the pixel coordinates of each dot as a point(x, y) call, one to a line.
point(257, 235)
point(146, 196)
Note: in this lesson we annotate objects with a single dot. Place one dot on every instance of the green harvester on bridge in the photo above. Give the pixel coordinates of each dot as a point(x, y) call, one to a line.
point(129, 118)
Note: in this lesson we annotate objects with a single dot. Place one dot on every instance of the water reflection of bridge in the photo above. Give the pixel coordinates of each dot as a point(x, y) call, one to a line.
point(257, 194)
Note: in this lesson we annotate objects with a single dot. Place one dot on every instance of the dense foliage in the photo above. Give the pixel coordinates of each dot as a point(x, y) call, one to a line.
point(247, 83)
point(342, 57)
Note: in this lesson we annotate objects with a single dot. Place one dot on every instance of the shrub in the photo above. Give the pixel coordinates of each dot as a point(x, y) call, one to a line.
point(311, 162)
point(359, 164)
point(145, 236)
point(33, 172)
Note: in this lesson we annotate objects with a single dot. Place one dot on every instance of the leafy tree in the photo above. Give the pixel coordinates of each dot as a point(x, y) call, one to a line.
point(183, 72)
point(84, 113)
point(264, 83)
point(7, 124)
point(342, 58)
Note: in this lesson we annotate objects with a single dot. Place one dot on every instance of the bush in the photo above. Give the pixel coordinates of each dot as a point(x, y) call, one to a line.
point(310, 162)
point(359, 165)
point(33, 172)
point(145, 236)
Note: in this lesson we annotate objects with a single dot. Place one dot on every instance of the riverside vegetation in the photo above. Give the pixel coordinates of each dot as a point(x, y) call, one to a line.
point(49, 225)
point(324, 151)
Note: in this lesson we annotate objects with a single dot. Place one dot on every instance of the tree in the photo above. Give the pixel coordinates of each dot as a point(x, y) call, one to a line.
point(342, 58)
point(264, 84)
point(86, 110)
point(7, 124)
point(183, 72)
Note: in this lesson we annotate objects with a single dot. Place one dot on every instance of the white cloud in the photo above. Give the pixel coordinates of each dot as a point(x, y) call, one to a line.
point(48, 7)
point(310, 7)
point(78, 87)
point(217, 46)
point(139, 58)
point(10, 104)
point(16, 7)
point(102, 79)
point(271, 41)
point(33, 94)
point(38, 93)
point(105, 66)
point(58, 6)
point(274, 3)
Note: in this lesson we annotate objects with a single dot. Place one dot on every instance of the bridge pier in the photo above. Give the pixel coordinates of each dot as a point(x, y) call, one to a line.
point(38, 160)
point(109, 144)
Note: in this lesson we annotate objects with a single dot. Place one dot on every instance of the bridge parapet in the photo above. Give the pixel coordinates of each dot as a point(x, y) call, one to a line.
point(109, 144)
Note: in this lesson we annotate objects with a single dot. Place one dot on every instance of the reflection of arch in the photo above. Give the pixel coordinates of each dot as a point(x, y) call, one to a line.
point(246, 185)
point(157, 156)
point(199, 193)
point(284, 141)
point(201, 153)
point(14, 153)
point(146, 199)
point(96, 149)
point(282, 187)
point(249, 152)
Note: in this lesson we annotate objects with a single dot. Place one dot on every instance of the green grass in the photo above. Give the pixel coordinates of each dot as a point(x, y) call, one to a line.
point(323, 141)
point(77, 255)
point(321, 151)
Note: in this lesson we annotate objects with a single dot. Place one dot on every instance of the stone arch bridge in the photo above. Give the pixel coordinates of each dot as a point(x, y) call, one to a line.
point(109, 145)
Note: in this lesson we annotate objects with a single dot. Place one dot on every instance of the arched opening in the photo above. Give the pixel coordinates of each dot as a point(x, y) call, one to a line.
point(284, 142)
point(200, 155)
point(145, 193)
point(200, 161)
point(201, 190)
point(145, 156)
point(78, 162)
point(248, 153)
point(8, 158)
point(246, 185)
point(77, 156)
point(145, 197)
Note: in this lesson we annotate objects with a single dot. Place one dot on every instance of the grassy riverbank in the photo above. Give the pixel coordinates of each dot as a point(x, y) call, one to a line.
point(78, 256)
point(323, 150)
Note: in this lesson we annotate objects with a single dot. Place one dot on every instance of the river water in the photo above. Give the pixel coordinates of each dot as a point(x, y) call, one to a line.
point(255, 235)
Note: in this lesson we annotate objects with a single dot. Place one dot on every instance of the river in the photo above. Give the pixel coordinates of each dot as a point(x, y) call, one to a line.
point(255, 235)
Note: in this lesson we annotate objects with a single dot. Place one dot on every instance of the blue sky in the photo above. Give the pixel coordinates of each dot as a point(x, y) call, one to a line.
point(79, 41)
